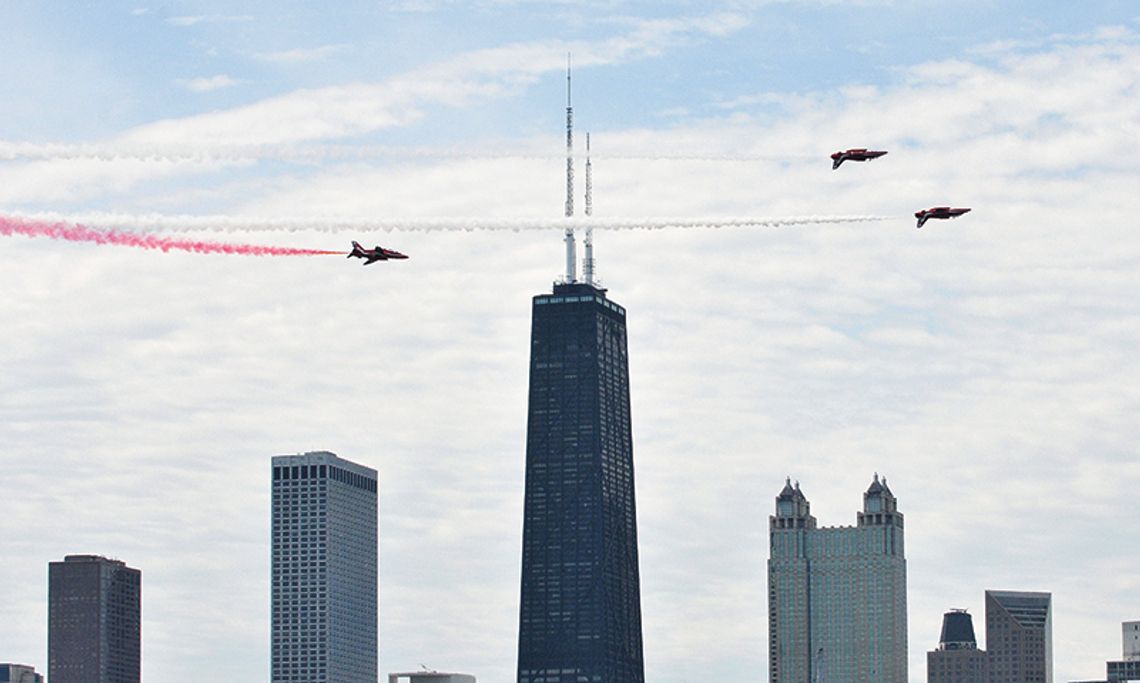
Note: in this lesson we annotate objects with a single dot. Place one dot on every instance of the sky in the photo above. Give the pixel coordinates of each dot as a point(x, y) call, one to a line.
point(986, 365)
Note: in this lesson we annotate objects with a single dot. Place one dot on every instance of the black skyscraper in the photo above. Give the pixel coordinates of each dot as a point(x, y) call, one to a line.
point(580, 613)
point(94, 621)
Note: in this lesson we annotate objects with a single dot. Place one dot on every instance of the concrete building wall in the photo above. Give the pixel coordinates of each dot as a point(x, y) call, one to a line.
point(957, 666)
point(1130, 635)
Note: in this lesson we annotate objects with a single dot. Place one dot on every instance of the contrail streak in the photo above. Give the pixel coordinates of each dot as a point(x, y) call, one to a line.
point(312, 153)
point(73, 232)
point(147, 223)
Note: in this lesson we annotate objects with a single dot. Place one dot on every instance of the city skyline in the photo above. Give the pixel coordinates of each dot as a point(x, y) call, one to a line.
point(986, 363)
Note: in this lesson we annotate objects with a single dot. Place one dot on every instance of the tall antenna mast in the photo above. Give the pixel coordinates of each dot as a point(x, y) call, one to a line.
point(571, 268)
point(588, 265)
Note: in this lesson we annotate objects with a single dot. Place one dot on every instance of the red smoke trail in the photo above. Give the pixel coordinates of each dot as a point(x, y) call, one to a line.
point(79, 233)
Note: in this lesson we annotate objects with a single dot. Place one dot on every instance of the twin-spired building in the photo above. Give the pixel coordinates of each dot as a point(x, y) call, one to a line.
point(837, 595)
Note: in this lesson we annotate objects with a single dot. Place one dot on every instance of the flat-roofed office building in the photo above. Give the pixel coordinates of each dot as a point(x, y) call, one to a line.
point(94, 621)
point(324, 582)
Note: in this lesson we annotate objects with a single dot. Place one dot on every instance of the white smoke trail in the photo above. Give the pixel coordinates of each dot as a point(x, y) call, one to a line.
point(220, 223)
point(19, 151)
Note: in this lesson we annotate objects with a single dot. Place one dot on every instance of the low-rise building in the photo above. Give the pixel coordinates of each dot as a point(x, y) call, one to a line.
point(430, 677)
point(19, 673)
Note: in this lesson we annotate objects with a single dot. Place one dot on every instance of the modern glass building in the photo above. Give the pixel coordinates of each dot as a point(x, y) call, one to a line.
point(1019, 636)
point(323, 570)
point(837, 595)
point(94, 621)
point(580, 611)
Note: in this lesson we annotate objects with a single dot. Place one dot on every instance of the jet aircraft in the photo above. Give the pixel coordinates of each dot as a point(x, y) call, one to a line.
point(373, 255)
point(937, 212)
point(855, 154)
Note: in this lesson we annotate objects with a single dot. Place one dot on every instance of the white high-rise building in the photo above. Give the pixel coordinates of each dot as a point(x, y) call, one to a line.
point(837, 595)
point(323, 570)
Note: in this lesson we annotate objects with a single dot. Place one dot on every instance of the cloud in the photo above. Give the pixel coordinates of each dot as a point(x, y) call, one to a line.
point(479, 75)
point(300, 55)
point(208, 83)
point(194, 20)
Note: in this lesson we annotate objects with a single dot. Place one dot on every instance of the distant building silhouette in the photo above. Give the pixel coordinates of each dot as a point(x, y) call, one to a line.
point(323, 570)
point(1019, 636)
point(19, 673)
point(957, 659)
point(837, 595)
point(94, 621)
point(580, 607)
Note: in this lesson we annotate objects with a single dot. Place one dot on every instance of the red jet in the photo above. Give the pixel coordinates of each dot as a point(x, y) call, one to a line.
point(373, 255)
point(938, 212)
point(856, 154)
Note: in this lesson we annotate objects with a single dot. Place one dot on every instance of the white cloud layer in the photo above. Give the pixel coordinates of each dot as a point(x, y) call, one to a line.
point(194, 20)
point(300, 55)
point(208, 83)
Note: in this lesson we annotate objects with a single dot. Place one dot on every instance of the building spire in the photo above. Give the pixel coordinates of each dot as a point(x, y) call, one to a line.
point(571, 266)
point(588, 263)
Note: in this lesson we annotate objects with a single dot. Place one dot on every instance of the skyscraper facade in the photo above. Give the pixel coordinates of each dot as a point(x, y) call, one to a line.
point(1019, 636)
point(837, 595)
point(580, 607)
point(957, 659)
point(323, 570)
point(94, 621)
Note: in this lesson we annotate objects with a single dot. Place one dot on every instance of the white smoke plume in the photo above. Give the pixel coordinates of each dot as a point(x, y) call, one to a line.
point(217, 223)
point(314, 153)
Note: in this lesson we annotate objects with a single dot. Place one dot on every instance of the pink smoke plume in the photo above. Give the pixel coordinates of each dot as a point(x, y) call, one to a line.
point(79, 233)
